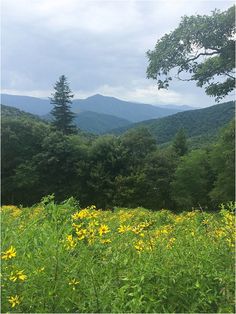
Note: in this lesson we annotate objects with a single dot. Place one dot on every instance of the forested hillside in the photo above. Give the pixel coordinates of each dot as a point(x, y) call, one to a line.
point(14, 113)
point(128, 170)
point(196, 123)
point(98, 123)
point(93, 122)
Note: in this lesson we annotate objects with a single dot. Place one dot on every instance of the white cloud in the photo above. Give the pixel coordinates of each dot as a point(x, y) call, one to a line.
point(23, 92)
point(61, 15)
point(100, 45)
point(137, 93)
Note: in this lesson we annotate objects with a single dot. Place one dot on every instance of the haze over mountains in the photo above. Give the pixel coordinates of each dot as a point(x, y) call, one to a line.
point(97, 114)
point(202, 126)
point(131, 111)
point(101, 114)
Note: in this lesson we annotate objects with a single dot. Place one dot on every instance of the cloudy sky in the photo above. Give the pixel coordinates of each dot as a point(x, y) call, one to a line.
point(99, 45)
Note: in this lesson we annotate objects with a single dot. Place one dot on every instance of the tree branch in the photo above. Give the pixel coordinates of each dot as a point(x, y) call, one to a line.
point(231, 76)
point(184, 80)
point(202, 54)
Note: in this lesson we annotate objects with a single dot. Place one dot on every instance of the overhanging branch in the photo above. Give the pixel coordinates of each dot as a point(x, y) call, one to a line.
point(202, 54)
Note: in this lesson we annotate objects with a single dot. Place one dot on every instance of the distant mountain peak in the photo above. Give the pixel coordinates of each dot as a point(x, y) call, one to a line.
point(106, 98)
point(96, 96)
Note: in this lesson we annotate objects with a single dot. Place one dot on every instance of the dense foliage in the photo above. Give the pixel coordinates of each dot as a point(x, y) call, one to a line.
point(98, 123)
point(204, 47)
point(200, 123)
point(127, 261)
point(129, 170)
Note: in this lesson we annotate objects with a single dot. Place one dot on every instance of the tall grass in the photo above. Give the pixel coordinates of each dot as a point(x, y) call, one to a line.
point(63, 259)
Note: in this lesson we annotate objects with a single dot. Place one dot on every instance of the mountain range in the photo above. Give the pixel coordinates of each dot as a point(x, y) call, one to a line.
point(202, 126)
point(101, 114)
point(96, 114)
point(131, 111)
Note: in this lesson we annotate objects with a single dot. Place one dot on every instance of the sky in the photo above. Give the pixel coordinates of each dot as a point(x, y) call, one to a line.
point(99, 45)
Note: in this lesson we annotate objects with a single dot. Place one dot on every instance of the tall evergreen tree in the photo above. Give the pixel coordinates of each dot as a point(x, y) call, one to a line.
point(62, 99)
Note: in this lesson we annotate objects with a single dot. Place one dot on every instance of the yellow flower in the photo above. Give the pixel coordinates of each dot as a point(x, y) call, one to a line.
point(219, 233)
point(171, 243)
point(81, 233)
point(144, 224)
point(73, 283)
point(70, 242)
point(10, 253)
point(80, 215)
point(123, 229)
point(139, 246)
point(93, 214)
point(21, 276)
point(150, 245)
point(179, 219)
point(18, 276)
point(191, 214)
point(92, 224)
point(14, 300)
point(163, 231)
point(14, 210)
point(13, 277)
point(75, 216)
point(105, 241)
point(103, 230)
point(76, 226)
point(92, 207)
point(124, 216)
point(91, 233)
point(231, 243)
point(137, 230)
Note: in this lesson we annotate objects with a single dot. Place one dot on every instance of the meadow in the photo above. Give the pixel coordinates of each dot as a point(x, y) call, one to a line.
point(59, 258)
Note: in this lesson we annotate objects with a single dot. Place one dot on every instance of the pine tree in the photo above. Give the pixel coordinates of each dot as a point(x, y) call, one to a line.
point(61, 99)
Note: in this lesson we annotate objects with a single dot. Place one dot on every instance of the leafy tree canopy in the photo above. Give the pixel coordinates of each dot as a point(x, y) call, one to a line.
point(180, 143)
point(223, 165)
point(202, 46)
point(192, 180)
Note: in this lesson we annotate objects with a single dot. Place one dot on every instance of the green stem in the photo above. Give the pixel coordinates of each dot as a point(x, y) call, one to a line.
point(95, 291)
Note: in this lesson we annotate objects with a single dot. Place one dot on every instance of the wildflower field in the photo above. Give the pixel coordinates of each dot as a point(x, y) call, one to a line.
point(63, 259)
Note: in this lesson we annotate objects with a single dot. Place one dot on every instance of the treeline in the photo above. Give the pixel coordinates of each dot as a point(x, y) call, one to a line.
point(130, 170)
